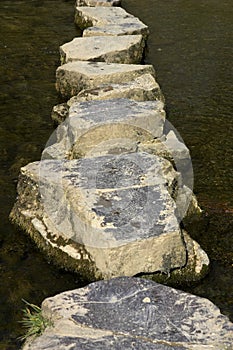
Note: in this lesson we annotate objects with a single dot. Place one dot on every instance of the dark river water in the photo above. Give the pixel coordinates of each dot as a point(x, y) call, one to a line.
point(190, 46)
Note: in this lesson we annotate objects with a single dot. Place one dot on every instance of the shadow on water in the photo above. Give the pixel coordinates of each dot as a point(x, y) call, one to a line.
point(190, 47)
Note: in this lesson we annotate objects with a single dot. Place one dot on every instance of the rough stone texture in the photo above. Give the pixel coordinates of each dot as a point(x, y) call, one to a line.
point(132, 28)
point(142, 88)
point(73, 77)
point(132, 313)
point(98, 3)
point(120, 49)
point(118, 207)
point(93, 123)
point(115, 16)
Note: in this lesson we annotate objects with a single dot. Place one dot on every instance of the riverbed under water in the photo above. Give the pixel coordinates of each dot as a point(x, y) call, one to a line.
point(190, 46)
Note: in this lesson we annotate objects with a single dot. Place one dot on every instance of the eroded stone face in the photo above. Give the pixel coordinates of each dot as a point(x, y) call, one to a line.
point(97, 125)
point(118, 207)
point(133, 313)
point(91, 16)
point(121, 49)
point(129, 28)
point(142, 88)
point(73, 77)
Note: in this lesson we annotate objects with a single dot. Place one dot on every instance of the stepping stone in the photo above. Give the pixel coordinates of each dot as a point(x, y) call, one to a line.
point(129, 28)
point(98, 2)
point(121, 49)
point(115, 209)
point(142, 88)
point(93, 123)
point(132, 313)
point(101, 16)
point(75, 76)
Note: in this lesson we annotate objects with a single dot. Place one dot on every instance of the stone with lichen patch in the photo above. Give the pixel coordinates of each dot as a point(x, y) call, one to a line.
point(132, 313)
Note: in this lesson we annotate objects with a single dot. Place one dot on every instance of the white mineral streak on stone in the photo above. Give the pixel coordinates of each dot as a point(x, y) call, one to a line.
point(121, 49)
point(75, 76)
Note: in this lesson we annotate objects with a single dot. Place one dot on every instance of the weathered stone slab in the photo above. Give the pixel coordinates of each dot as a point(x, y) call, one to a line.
point(117, 208)
point(98, 2)
point(129, 28)
point(120, 49)
point(93, 123)
point(142, 88)
point(107, 216)
point(73, 77)
point(132, 313)
point(100, 16)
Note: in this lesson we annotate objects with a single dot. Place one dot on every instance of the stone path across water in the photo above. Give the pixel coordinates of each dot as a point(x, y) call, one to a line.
point(107, 198)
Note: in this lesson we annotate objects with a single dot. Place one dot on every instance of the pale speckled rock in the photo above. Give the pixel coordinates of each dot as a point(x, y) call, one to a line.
point(73, 77)
point(120, 49)
point(116, 207)
point(142, 88)
point(100, 16)
point(93, 123)
point(129, 28)
point(132, 313)
point(98, 3)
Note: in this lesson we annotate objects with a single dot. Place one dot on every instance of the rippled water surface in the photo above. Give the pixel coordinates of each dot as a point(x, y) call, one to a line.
point(190, 46)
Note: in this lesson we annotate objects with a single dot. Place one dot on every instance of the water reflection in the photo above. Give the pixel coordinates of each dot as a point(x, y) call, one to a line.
point(30, 37)
point(191, 48)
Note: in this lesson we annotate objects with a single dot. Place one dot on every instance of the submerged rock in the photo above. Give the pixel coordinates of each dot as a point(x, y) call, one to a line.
point(73, 77)
point(132, 313)
point(120, 49)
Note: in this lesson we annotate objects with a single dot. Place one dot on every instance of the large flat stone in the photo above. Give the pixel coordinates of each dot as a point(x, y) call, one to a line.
point(95, 123)
point(131, 28)
point(121, 49)
point(100, 16)
point(132, 313)
point(142, 88)
point(73, 77)
point(98, 3)
point(115, 208)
